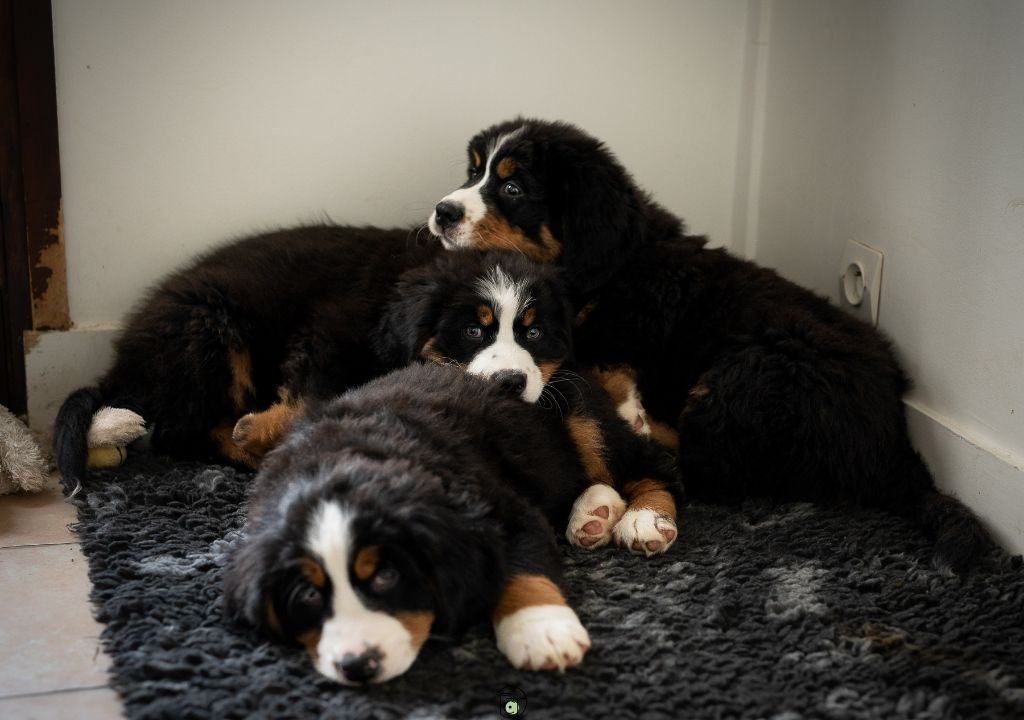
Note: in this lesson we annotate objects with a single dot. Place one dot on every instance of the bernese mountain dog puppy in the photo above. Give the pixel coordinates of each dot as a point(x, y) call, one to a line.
point(415, 505)
point(503, 316)
point(258, 323)
point(773, 390)
point(507, 319)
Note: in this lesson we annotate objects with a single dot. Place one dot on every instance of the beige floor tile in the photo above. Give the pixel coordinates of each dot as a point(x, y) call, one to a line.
point(49, 638)
point(94, 704)
point(36, 518)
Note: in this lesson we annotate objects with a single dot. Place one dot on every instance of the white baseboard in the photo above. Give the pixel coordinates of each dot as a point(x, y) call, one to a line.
point(987, 479)
point(58, 363)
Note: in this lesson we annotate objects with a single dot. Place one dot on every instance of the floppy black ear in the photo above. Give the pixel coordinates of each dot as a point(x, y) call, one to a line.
point(464, 560)
point(249, 583)
point(410, 317)
point(600, 212)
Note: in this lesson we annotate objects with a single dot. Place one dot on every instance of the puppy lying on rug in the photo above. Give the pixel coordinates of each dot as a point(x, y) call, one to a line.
point(412, 506)
point(503, 317)
point(256, 323)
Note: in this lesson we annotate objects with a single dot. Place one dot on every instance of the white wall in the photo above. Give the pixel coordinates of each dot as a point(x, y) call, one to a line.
point(184, 123)
point(901, 124)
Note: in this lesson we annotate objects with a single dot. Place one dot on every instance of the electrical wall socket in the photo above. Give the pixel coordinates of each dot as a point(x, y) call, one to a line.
point(860, 281)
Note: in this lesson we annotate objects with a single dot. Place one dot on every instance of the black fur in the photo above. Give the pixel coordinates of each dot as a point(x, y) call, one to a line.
point(440, 466)
point(300, 302)
point(773, 390)
point(434, 302)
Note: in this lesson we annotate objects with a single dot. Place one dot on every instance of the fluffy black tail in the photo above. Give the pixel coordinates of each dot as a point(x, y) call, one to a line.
point(960, 539)
point(70, 435)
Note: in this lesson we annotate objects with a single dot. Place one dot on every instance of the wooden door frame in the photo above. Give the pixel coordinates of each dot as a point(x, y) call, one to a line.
point(33, 276)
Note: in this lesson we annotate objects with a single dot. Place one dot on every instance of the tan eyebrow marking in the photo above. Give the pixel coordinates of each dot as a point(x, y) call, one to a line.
point(476, 159)
point(529, 316)
point(506, 167)
point(366, 561)
point(313, 572)
point(485, 315)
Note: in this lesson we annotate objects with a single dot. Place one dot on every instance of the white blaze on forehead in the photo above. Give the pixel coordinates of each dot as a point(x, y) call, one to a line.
point(352, 627)
point(508, 298)
point(471, 198)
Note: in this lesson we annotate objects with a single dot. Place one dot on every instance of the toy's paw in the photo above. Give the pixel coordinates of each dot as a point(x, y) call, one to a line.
point(642, 530)
point(594, 516)
point(542, 637)
point(113, 427)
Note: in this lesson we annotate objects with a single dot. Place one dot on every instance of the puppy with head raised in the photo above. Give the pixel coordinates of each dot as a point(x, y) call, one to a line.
point(410, 507)
point(505, 317)
point(773, 390)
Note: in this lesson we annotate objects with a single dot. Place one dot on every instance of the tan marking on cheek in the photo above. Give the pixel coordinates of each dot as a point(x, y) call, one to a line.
point(485, 315)
point(418, 625)
point(529, 316)
point(476, 159)
point(430, 353)
point(366, 561)
point(547, 369)
point(313, 572)
point(493, 232)
point(506, 167)
point(242, 387)
point(311, 641)
point(552, 248)
point(271, 615)
point(259, 433)
point(523, 591)
point(650, 494)
point(586, 435)
point(584, 313)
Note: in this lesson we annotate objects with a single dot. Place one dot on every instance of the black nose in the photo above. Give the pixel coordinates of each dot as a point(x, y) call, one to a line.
point(359, 668)
point(511, 381)
point(448, 213)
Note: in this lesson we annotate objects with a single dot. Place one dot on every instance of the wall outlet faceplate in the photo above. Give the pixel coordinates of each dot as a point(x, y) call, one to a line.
point(860, 281)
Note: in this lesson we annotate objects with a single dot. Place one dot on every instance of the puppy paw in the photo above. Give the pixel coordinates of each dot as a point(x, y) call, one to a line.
point(642, 530)
point(113, 427)
point(244, 430)
point(542, 637)
point(594, 516)
point(259, 433)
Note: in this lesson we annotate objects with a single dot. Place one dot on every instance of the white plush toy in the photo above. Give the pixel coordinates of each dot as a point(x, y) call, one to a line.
point(23, 467)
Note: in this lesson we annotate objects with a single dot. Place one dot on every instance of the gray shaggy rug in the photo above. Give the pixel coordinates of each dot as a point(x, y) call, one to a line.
point(784, 612)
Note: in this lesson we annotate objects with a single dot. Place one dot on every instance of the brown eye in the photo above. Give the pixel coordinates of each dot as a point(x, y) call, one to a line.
point(511, 189)
point(533, 333)
point(384, 579)
point(306, 599)
point(474, 332)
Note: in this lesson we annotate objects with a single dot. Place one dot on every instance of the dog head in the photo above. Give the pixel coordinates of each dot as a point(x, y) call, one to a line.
point(356, 559)
point(554, 193)
point(495, 314)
